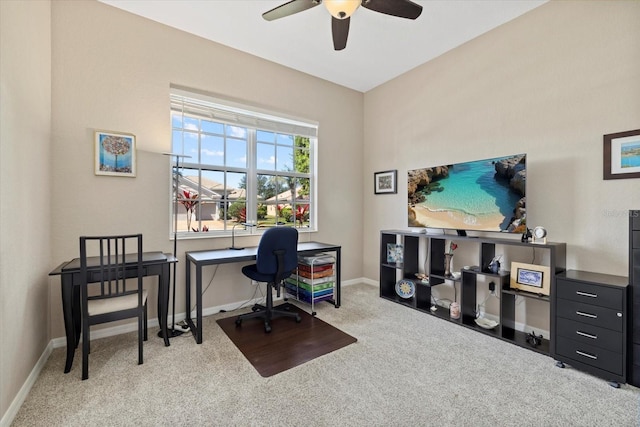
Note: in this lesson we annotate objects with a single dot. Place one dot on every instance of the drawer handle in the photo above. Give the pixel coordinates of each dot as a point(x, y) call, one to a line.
point(584, 334)
point(592, 316)
point(590, 356)
point(586, 294)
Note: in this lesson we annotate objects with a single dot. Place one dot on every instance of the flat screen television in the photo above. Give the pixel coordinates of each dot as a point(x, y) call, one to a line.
point(481, 195)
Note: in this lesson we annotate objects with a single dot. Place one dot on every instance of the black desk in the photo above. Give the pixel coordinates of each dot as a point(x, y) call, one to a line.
point(154, 263)
point(225, 256)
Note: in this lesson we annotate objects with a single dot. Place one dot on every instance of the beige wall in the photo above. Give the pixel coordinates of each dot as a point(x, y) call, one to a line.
point(550, 83)
point(112, 70)
point(25, 115)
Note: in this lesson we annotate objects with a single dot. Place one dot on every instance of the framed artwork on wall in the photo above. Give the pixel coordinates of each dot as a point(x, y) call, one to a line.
point(115, 154)
point(621, 155)
point(385, 182)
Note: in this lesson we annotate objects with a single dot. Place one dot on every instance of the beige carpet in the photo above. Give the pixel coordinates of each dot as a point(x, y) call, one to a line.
point(407, 369)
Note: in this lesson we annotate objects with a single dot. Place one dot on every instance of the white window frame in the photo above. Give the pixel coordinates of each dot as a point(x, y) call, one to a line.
point(216, 109)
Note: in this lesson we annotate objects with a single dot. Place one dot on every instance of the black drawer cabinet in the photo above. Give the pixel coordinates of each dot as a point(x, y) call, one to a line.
point(587, 293)
point(633, 369)
point(590, 335)
point(590, 330)
point(591, 314)
point(597, 357)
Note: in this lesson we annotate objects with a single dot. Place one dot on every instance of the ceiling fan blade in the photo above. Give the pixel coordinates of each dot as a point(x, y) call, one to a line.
point(340, 31)
point(400, 8)
point(289, 8)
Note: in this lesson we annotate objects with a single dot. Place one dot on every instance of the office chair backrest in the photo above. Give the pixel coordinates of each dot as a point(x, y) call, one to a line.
point(277, 238)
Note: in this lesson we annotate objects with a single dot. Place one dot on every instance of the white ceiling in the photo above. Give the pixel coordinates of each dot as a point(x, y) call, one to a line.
point(379, 48)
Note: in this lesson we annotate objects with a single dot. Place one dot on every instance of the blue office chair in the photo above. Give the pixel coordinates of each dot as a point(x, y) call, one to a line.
point(276, 259)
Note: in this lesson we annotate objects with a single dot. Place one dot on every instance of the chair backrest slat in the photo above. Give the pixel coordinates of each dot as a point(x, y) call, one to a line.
point(109, 267)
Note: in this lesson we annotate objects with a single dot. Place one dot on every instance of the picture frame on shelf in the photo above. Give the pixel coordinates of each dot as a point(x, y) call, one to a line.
point(621, 155)
point(530, 278)
point(385, 182)
point(115, 154)
point(395, 253)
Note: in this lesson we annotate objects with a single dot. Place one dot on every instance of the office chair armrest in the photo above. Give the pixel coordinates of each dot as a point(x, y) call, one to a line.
point(279, 253)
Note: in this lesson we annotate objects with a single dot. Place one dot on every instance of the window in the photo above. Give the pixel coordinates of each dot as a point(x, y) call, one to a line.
point(243, 167)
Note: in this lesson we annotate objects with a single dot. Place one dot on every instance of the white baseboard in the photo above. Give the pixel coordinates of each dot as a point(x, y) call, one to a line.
point(17, 402)
point(153, 323)
point(366, 281)
point(133, 326)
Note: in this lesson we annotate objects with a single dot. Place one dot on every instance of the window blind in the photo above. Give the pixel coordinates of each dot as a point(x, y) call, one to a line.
point(206, 107)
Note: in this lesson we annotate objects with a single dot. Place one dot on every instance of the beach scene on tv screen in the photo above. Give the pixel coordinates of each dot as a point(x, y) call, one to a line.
point(483, 195)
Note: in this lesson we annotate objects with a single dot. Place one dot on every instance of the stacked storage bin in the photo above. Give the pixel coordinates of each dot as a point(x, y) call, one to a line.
point(314, 280)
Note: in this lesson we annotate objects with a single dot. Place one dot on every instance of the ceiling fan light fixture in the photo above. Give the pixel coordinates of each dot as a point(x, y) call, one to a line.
point(341, 9)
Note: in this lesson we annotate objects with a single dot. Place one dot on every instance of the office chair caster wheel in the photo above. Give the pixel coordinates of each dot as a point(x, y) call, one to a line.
point(267, 328)
point(298, 319)
point(238, 322)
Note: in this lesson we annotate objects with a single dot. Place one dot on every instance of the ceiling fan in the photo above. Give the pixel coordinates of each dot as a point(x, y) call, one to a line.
point(341, 11)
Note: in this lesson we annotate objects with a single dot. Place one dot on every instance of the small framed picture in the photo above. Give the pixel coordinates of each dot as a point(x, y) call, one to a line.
point(395, 254)
point(385, 182)
point(115, 154)
point(530, 277)
point(621, 155)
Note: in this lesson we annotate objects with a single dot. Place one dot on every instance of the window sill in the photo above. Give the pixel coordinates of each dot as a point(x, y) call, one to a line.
point(196, 235)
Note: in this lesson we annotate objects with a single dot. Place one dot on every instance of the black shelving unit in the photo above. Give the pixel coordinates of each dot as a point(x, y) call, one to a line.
point(435, 247)
point(633, 370)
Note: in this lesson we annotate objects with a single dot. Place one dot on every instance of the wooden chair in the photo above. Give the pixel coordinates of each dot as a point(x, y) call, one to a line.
point(105, 294)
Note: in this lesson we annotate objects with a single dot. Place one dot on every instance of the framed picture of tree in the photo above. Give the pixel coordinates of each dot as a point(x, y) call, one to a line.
point(115, 154)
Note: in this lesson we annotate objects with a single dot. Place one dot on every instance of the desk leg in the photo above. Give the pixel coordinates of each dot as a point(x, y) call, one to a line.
point(163, 301)
point(69, 324)
point(199, 303)
point(195, 330)
point(76, 311)
point(187, 298)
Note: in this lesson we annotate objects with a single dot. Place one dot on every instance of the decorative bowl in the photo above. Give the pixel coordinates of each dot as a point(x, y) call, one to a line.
point(486, 323)
point(405, 288)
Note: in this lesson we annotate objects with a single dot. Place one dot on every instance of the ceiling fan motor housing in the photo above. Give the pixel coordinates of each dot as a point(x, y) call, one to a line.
point(341, 9)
